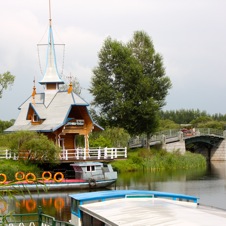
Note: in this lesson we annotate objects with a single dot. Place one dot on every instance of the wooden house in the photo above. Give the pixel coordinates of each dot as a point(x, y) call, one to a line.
point(60, 115)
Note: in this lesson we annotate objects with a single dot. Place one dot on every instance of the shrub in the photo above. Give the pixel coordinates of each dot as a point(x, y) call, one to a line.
point(11, 167)
point(159, 160)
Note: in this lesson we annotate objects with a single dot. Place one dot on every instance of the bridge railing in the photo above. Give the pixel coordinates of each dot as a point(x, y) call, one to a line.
point(159, 137)
point(210, 131)
point(167, 133)
point(174, 135)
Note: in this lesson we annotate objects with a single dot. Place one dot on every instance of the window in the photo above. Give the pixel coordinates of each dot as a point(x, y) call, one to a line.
point(35, 117)
point(90, 168)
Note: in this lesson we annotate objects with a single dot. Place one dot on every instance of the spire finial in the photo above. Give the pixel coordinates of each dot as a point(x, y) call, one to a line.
point(34, 91)
point(70, 88)
point(50, 19)
point(51, 75)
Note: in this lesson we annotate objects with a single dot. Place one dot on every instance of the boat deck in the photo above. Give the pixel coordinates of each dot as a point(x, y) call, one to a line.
point(155, 211)
point(136, 208)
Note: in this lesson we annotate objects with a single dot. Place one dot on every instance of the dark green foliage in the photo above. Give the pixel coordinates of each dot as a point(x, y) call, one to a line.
point(182, 116)
point(38, 146)
point(11, 167)
point(219, 117)
point(212, 124)
point(100, 141)
point(129, 84)
point(166, 124)
point(111, 137)
point(5, 124)
point(174, 118)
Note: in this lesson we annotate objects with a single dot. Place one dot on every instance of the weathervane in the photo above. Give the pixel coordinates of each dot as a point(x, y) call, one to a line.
point(69, 77)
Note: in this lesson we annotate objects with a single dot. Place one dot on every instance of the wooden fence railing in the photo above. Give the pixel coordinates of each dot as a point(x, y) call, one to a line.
point(79, 154)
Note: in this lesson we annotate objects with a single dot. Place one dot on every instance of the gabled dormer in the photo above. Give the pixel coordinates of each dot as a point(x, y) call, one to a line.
point(34, 116)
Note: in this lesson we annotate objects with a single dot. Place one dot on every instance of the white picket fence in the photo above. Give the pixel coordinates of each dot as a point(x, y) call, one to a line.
point(80, 154)
point(93, 153)
point(7, 154)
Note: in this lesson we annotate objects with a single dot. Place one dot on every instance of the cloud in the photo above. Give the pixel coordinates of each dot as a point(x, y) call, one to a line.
point(189, 34)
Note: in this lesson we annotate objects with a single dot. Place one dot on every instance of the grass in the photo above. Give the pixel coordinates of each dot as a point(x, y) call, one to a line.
point(143, 159)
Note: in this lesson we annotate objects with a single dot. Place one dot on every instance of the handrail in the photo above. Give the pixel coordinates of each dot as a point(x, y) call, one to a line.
point(93, 153)
point(80, 154)
point(32, 219)
point(176, 134)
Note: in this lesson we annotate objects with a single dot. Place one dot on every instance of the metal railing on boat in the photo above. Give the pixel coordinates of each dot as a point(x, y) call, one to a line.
point(31, 219)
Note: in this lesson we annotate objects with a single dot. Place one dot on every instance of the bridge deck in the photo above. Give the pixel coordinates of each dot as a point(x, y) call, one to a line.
point(170, 136)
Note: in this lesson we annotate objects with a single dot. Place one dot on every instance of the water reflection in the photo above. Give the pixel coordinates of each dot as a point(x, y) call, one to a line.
point(54, 204)
point(208, 184)
point(150, 180)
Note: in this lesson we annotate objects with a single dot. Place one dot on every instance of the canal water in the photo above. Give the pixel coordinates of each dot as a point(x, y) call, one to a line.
point(209, 185)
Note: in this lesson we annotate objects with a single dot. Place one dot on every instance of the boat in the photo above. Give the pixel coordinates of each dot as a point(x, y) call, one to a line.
point(139, 207)
point(87, 175)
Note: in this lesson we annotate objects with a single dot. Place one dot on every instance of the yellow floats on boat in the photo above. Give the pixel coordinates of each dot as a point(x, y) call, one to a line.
point(4, 178)
point(30, 177)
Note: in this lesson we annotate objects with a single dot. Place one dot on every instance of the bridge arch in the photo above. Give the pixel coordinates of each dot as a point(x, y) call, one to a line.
point(203, 144)
point(207, 141)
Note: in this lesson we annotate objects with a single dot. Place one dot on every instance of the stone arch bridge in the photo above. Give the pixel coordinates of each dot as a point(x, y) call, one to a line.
point(207, 141)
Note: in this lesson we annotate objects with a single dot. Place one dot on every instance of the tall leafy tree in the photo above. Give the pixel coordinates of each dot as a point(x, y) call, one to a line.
point(129, 84)
point(6, 80)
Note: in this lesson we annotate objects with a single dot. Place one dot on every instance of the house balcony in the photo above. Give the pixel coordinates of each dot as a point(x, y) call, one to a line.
point(75, 155)
point(93, 154)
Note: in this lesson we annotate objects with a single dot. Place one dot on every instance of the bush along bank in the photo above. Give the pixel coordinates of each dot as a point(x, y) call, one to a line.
point(11, 167)
point(143, 159)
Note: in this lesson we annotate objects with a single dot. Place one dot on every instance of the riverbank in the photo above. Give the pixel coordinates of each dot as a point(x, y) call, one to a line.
point(11, 167)
point(140, 159)
point(143, 159)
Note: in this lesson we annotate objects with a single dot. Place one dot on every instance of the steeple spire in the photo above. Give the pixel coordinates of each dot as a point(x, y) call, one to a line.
point(51, 77)
point(50, 13)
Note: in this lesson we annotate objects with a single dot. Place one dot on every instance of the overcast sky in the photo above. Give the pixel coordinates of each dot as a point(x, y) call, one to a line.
point(189, 34)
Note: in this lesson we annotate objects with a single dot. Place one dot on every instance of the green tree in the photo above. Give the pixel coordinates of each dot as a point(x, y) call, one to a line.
point(114, 136)
point(100, 141)
point(37, 146)
point(129, 84)
point(166, 124)
point(182, 116)
point(6, 80)
point(5, 124)
point(201, 120)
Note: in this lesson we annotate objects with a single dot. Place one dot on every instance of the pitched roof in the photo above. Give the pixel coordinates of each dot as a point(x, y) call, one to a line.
point(54, 115)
